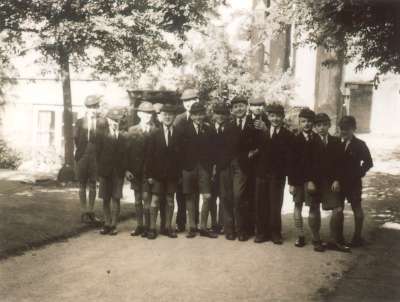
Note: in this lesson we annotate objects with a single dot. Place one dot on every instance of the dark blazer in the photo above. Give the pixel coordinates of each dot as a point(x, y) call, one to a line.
point(196, 148)
point(355, 161)
point(137, 149)
point(221, 154)
point(162, 162)
point(110, 153)
point(81, 135)
point(274, 157)
point(327, 163)
point(240, 142)
point(302, 160)
point(181, 121)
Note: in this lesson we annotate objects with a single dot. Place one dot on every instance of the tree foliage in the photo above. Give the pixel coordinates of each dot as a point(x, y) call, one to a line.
point(367, 30)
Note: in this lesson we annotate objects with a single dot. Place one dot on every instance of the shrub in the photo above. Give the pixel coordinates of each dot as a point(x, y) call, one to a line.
point(9, 158)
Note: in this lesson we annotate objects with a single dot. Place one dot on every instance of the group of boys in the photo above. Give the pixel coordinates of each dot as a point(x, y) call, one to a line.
point(240, 154)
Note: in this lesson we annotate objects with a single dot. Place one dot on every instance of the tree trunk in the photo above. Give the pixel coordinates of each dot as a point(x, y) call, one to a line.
point(67, 100)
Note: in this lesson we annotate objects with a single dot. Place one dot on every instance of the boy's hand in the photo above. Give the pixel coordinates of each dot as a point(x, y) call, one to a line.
point(336, 186)
point(260, 125)
point(128, 175)
point(311, 187)
point(150, 181)
point(252, 153)
point(292, 190)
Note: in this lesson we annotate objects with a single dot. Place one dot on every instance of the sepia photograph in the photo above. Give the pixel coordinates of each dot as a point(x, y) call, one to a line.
point(199, 150)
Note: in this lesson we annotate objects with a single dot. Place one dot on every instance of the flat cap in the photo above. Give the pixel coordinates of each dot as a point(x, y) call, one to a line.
point(189, 94)
point(221, 108)
point(197, 108)
point(168, 108)
point(275, 108)
point(93, 100)
point(145, 107)
point(307, 113)
point(239, 99)
point(116, 113)
point(322, 118)
point(258, 101)
point(348, 122)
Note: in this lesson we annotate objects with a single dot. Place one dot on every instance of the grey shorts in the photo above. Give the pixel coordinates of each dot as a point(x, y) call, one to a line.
point(329, 199)
point(197, 180)
point(86, 168)
point(303, 196)
point(164, 187)
point(140, 185)
point(111, 187)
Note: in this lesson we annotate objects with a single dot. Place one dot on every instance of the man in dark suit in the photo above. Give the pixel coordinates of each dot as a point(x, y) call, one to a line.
point(110, 150)
point(85, 133)
point(303, 178)
point(272, 168)
point(238, 145)
point(355, 162)
point(137, 150)
point(197, 165)
point(221, 180)
point(189, 97)
point(328, 184)
point(163, 169)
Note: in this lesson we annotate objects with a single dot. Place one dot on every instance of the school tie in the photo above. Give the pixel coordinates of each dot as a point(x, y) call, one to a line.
point(274, 133)
point(240, 120)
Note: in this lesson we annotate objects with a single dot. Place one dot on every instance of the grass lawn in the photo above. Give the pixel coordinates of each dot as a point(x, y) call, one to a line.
point(31, 216)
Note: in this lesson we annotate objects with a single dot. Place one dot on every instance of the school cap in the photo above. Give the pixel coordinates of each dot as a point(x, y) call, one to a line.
point(116, 113)
point(307, 113)
point(348, 122)
point(322, 118)
point(275, 108)
point(239, 99)
point(145, 107)
point(93, 100)
point(189, 94)
point(168, 108)
point(197, 108)
point(258, 101)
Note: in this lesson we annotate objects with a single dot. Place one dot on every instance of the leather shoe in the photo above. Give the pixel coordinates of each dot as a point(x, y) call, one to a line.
point(300, 242)
point(209, 234)
point(191, 234)
point(93, 219)
point(138, 231)
point(243, 237)
point(152, 234)
point(277, 239)
point(145, 232)
point(113, 231)
point(105, 230)
point(230, 236)
point(259, 239)
point(336, 246)
point(318, 246)
point(171, 234)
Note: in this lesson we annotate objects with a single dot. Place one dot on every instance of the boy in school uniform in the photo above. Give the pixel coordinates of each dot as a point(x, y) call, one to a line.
point(272, 167)
point(328, 166)
point(355, 161)
point(221, 180)
point(162, 169)
point(188, 97)
point(137, 150)
point(197, 165)
point(85, 133)
point(303, 178)
point(110, 149)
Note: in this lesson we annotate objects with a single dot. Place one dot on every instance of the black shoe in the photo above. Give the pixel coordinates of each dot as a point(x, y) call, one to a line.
point(105, 230)
point(151, 234)
point(171, 234)
point(209, 234)
point(243, 237)
point(259, 239)
point(357, 242)
point(138, 231)
point(318, 246)
point(145, 232)
point(191, 234)
point(93, 219)
point(180, 229)
point(300, 242)
point(277, 239)
point(113, 231)
point(230, 236)
point(216, 229)
point(336, 246)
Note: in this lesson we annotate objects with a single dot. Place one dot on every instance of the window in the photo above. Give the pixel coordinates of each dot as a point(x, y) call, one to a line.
point(46, 125)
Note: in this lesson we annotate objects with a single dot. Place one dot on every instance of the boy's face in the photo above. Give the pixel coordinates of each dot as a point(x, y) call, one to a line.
point(167, 118)
point(188, 104)
point(198, 118)
point(305, 124)
point(256, 109)
point(145, 117)
point(275, 119)
point(322, 128)
point(239, 110)
point(220, 118)
point(346, 133)
point(159, 117)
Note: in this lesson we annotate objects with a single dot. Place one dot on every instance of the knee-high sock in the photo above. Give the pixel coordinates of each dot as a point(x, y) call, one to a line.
point(82, 197)
point(169, 212)
point(116, 209)
point(107, 212)
point(298, 219)
point(191, 210)
point(314, 222)
point(92, 196)
point(205, 210)
point(139, 208)
point(358, 221)
point(336, 225)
